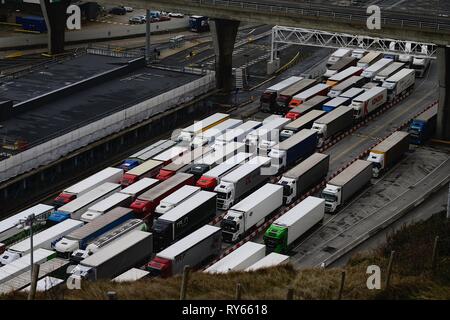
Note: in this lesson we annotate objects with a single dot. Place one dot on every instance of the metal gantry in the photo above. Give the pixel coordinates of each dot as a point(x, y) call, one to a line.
point(318, 38)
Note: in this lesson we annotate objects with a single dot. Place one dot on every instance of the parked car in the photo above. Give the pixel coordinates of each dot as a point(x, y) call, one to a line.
point(118, 11)
point(137, 20)
point(176, 15)
point(129, 9)
point(164, 18)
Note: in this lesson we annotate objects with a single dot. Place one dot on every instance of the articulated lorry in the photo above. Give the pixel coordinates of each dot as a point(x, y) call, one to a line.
point(210, 179)
point(370, 72)
point(108, 237)
point(209, 136)
point(174, 199)
point(269, 96)
point(346, 184)
point(305, 107)
point(284, 98)
point(237, 134)
point(184, 219)
point(183, 163)
point(211, 160)
point(271, 260)
point(74, 209)
point(388, 152)
point(187, 134)
point(332, 123)
point(131, 249)
point(400, 83)
point(307, 174)
point(335, 103)
point(387, 72)
point(420, 65)
point(145, 154)
point(352, 82)
point(148, 169)
point(131, 275)
point(81, 237)
point(338, 55)
point(423, 126)
point(8, 226)
point(263, 138)
point(288, 228)
point(110, 174)
point(44, 239)
point(115, 200)
point(319, 89)
point(340, 65)
point(251, 212)
point(368, 102)
point(138, 188)
point(145, 205)
point(292, 150)
point(192, 250)
point(304, 122)
point(241, 181)
point(369, 59)
point(170, 154)
point(342, 76)
point(240, 259)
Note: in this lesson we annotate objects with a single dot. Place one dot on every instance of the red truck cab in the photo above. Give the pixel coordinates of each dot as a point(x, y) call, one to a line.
point(206, 183)
point(160, 267)
point(128, 179)
point(63, 198)
point(165, 174)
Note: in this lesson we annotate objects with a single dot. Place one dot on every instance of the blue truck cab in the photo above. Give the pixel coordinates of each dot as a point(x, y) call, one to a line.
point(57, 217)
point(198, 23)
point(423, 127)
point(129, 164)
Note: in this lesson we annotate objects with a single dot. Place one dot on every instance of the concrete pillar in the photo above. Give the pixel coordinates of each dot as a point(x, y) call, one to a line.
point(54, 12)
point(443, 116)
point(224, 35)
point(147, 36)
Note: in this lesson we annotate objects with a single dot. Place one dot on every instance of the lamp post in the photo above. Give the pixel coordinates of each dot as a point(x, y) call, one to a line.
point(28, 222)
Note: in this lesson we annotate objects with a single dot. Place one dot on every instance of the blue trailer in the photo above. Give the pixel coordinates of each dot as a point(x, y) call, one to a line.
point(294, 149)
point(198, 23)
point(57, 217)
point(335, 103)
point(32, 23)
point(423, 127)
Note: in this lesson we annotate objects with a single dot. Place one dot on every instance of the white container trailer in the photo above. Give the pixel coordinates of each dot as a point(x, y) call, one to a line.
point(175, 199)
point(44, 239)
point(149, 154)
point(284, 231)
point(271, 260)
point(399, 83)
point(266, 136)
point(110, 174)
point(168, 155)
point(387, 72)
point(139, 187)
point(209, 136)
point(188, 133)
point(237, 134)
point(115, 200)
point(131, 275)
point(240, 259)
point(368, 102)
point(22, 264)
point(251, 212)
point(338, 54)
point(241, 181)
point(376, 68)
point(8, 227)
point(191, 250)
point(80, 205)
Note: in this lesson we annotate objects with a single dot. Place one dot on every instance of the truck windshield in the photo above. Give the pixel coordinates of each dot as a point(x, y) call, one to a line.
point(287, 191)
point(228, 225)
point(329, 197)
point(271, 243)
point(223, 195)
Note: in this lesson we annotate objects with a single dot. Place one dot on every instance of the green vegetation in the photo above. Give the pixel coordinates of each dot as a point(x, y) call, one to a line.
point(412, 275)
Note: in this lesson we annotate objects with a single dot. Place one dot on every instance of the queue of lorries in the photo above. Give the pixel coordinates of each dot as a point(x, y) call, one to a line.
point(154, 208)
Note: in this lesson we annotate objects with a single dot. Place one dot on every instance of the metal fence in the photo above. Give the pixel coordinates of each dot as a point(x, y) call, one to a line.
point(59, 146)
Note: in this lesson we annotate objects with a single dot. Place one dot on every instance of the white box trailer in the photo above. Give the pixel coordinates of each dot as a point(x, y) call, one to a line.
point(115, 200)
point(168, 155)
point(387, 72)
point(237, 134)
point(265, 136)
point(369, 101)
point(110, 174)
point(80, 205)
point(133, 248)
point(338, 54)
point(175, 199)
point(22, 264)
point(209, 136)
point(8, 227)
point(370, 72)
point(241, 181)
point(131, 275)
point(188, 133)
point(139, 187)
point(251, 212)
point(149, 154)
point(284, 231)
point(304, 122)
point(191, 250)
point(271, 260)
point(239, 259)
point(44, 239)
point(399, 83)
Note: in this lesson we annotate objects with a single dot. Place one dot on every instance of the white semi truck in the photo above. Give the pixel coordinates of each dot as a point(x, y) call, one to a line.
point(346, 184)
point(251, 212)
point(399, 83)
